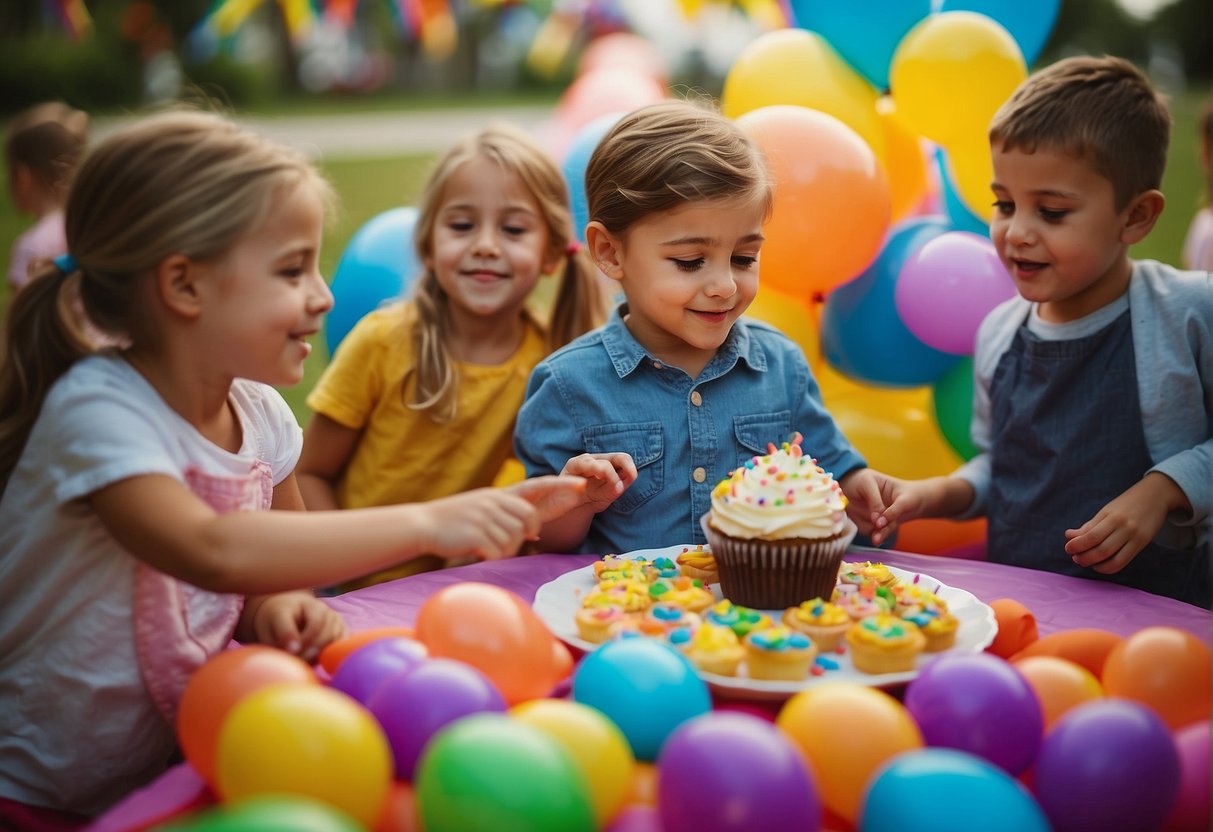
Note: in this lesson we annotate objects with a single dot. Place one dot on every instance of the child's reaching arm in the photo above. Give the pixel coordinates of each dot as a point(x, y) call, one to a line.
point(606, 477)
point(885, 502)
point(1113, 537)
point(327, 448)
point(160, 521)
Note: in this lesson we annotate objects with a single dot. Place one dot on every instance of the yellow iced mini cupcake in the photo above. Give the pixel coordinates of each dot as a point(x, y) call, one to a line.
point(779, 653)
point(884, 643)
point(683, 592)
point(715, 649)
point(820, 620)
point(699, 563)
point(597, 624)
point(937, 624)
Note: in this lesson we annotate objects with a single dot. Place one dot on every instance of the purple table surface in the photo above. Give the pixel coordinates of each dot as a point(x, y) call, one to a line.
point(1058, 602)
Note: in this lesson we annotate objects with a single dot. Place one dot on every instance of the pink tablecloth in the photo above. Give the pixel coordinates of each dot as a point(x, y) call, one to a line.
point(1058, 603)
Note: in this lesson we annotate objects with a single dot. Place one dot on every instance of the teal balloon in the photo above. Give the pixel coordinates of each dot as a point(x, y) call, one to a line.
point(378, 265)
point(862, 335)
point(576, 160)
point(864, 32)
point(959, 215)
point(945, 790)
point(952, 397)
point(271, 813)
point(491, 773)
point(1030, 22)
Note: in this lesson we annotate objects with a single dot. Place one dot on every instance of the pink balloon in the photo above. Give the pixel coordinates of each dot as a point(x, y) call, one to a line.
point(947, 287)
point(1191, 812)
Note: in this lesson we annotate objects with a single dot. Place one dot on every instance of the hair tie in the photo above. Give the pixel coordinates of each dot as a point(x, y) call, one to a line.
point(572, 248)
point(65, 263)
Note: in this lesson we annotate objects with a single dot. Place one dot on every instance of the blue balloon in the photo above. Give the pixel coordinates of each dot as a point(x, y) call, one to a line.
point(378, 265)
point(1030, 22)
point(863, 337)
point(961, 217)
point(645, 687)
point(576, 160)
point(864, 32)
point(944, 790)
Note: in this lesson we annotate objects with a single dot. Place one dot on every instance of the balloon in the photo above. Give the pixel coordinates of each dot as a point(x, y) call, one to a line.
point(378, 264)
point(489, 772)
point(799, 68)
point(1166, 669)
point(954, 206)
point(730, 771)
point(791, 316)
point(861, 333)
point(645, 687)
point(1192, 807)
point(904, 161)
point(270, 813)
point(607, 89)
point(977, 703)
point(968, 168)
point(336, 652)
point(1028, 21)
point(220, 683)
point(947, 286)
point(832, 203)
point(894, 431)
point(1016, 628)
point(496, 632)
point(1059, 685)
point(952, 72)
point(367, 668)
point(1107, 766)
point(643, 788)
point(945, 790)
point(865, 32)
point(951, 538)
point(952, 400)
point(597, 747)
point(847, 731)
point(399, 810)
point(1088, 647)
point(636, 819)
point(414, 705)
point(576, 160)
point(304, 740)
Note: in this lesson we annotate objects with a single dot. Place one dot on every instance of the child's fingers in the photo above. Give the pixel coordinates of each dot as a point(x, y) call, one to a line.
point(321, 626)
point(552, 496)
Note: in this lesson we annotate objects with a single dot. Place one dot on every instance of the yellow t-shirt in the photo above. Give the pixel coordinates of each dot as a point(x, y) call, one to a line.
point(403, 455)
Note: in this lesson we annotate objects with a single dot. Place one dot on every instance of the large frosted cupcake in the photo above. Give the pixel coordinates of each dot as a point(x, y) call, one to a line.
point(778, 528)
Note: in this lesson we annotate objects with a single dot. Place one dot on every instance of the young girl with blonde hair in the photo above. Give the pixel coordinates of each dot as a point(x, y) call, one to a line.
point(420, 398)
point(134, 543)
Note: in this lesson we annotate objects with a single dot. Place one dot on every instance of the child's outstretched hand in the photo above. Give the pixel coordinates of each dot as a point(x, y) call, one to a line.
point(296, 622)
point(606, 475)
point(879, 503)
point(1114, 536)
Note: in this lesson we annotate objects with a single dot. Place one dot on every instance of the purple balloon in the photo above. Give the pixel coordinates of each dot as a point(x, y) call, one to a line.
point(978, 703)
point(947, 286)
point(1106, 766)
point(411, 707)
point(368, 666)
point(730, 771)
point(1192, 808)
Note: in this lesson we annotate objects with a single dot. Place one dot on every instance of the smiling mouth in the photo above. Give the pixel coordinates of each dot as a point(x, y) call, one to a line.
point(711, 314)
point(484, 275)
point(1027, 266)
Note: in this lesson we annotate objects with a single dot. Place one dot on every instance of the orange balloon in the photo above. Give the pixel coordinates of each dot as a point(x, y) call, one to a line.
point(220, 683)
point(1088, 647)
point(1166, 669)
point(496, 632)
point(1059, 685)
point(847, 731)
point(832, 202)
point(1016, 628)
point(933, 536)
point(399, 810)
point(336, 652)
point(643, 788)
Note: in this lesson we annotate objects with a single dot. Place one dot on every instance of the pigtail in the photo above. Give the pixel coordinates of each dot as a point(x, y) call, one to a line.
point(581, 302)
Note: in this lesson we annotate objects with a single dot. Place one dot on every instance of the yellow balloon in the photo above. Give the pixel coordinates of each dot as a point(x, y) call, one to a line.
point(305, 740)
point(847, 731)
point(952, 72)
point(792, 316)
point(971, 170)
point(905, 161)
point(894, 430)
point(597, 746)
point(1059, 684)
point(796, 66)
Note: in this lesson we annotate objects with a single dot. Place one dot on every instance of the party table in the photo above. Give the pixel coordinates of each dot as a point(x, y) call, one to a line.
point(1058, 603)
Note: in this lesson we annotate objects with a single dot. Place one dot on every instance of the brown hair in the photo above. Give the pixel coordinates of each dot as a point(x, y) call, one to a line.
point(665, 155)
point(580, 303)
point(189, 183)
point(48, 139)
point(1103, 110)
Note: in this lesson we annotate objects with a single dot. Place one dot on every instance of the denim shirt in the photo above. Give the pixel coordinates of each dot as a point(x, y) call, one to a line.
point(605, 393)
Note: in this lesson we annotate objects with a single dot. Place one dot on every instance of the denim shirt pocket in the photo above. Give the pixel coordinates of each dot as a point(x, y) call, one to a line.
point(644, 443)
point(755, 430)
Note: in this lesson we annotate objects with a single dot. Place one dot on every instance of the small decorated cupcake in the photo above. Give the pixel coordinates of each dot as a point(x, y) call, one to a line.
point(698, 563)
point(630, 596)
point(715, 649)
point(681, 591)
point(884, 644)
point(937, 624)
point(662, 619)
point(864, 600)
point(779, 653)
point(741, 620)
point(616, 564)
point(861, 571)
point(600, 623)
point(820, 620)
point(663, 567)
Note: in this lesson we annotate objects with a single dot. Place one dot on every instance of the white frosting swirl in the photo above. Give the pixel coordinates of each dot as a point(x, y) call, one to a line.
point(782, 495)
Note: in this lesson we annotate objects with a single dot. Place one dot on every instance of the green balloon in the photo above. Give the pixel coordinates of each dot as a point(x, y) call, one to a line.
point(490, 773)
point(271, 813)
point(953, 399)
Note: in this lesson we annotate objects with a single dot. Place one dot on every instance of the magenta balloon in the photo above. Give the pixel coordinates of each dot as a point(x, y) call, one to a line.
point(1191, 812)
point(636, 818)
point(978, 703)
point(364, 669)
point(946, 288)
point(732, 772)
point(1106, 766)
point(413, 706)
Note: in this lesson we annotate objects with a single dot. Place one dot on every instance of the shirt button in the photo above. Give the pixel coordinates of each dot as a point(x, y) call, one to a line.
point(696, 399)
point(656, 365)
point(699, 475)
